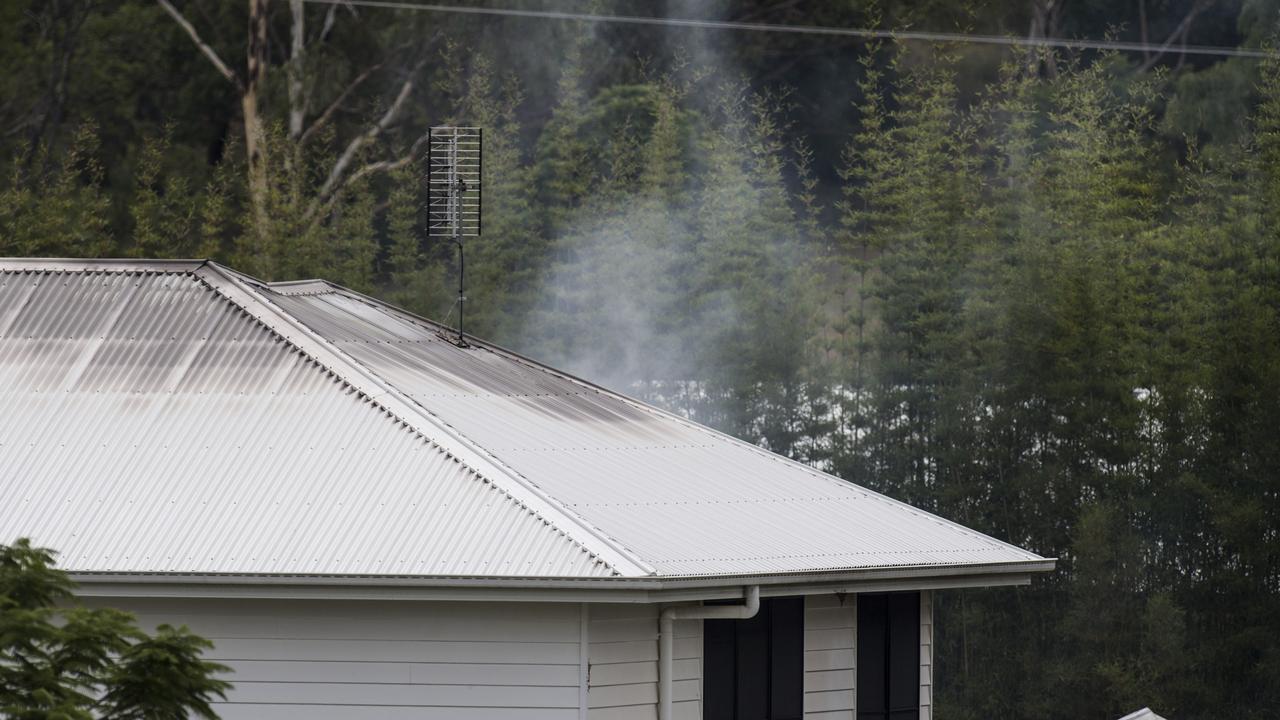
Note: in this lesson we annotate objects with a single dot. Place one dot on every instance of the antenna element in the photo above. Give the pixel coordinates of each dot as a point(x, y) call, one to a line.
point(453, 195)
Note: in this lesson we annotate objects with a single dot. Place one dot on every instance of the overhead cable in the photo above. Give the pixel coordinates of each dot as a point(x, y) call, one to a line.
point(866, 33)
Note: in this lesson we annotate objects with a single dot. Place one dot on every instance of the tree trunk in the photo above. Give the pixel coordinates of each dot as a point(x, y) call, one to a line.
point(297, 93)
point(1143, 34)
point(254, 137)
point(1044, 24)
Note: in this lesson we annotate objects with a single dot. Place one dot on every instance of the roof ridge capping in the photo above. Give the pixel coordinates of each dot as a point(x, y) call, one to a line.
point(247, 293)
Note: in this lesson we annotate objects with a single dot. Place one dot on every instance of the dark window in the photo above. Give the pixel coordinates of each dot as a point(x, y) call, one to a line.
point(754, 669)
point(889, 656)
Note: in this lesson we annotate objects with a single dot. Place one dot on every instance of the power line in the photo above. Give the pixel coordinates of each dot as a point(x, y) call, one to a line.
point(1116, 45)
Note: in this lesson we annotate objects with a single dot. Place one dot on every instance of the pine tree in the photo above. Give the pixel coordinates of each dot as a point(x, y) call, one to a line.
point(57, 209)
point(504, 261)
point(746, 292)
point(613, 294)
point(564, 171)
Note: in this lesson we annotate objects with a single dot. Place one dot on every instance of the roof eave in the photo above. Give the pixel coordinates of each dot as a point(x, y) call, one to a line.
point(552, 589)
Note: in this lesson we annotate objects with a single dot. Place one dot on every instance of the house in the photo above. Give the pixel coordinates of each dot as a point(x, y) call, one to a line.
point(371, 521)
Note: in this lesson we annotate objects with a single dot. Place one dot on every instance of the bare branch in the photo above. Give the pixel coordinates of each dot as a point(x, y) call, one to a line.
point(391, 165)
point(337, 104)
point(1142, 29)
point(330, 16)
point(1181, 31)
point(209, 52)
point(365, 170)
point(360, 141)
point(339, 176)
point(1182, 51)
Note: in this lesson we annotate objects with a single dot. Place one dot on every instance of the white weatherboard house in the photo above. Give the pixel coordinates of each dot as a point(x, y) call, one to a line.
point(372, 522)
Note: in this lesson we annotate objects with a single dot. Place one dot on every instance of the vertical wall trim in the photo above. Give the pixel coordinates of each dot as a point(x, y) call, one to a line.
point(853, 605)
point(702, 686)
point(853, 608)
point(584, 667)
point(926, 655)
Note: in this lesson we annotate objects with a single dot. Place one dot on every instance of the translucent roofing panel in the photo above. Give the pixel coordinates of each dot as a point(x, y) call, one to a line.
point(149, 424)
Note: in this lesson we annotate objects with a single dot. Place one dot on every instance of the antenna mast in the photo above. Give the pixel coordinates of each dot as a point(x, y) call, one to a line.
point(453, 196)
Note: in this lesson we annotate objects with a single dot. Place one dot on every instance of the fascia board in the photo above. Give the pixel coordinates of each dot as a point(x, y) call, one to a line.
point(640, 590)
point(99, 589)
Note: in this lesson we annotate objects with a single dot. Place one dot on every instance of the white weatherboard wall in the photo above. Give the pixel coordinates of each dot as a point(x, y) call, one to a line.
point(623, 670)
point(330, 660)
point(829, 652)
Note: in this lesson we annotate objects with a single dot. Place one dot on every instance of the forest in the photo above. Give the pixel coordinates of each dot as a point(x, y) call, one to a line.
point(1033, 290)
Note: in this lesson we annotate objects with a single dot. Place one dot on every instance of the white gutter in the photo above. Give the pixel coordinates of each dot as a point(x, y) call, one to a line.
point(667, 641)
point(1018, 571)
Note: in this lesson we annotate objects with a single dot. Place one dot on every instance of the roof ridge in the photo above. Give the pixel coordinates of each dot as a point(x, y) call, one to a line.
point(229, 284)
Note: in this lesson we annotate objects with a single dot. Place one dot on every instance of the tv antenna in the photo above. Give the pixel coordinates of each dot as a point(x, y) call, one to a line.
point(453, 196)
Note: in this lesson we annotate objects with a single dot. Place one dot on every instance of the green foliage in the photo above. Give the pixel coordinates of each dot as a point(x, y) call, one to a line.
point(169, 217)
point(564, 157)
point(59, 661)
point(57, 209)
point(163, 678)
point(504, 261)
point(1036, 307)
point(752, 310)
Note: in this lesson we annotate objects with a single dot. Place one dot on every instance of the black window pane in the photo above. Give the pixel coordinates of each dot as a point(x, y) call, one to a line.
point(718, 686)
point(786, 617)
point(753, 666)
point(873, 635)
point(888, 656)
point(754, 669)
point(904, 651)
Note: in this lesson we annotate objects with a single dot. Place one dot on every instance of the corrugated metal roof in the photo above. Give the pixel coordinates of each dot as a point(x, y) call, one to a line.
point(645, 492)
point(148, 424)
point(682, 498)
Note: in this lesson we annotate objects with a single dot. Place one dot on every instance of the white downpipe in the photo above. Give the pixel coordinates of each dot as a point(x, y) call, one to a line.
point(667, 642)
